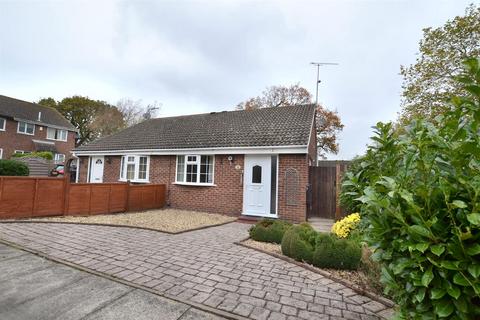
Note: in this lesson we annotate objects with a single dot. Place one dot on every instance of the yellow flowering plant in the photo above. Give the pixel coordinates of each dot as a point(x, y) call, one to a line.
point(344, 227)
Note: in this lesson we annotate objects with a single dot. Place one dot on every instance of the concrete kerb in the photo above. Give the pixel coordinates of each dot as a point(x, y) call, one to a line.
point(201, 307)
point(324, 273)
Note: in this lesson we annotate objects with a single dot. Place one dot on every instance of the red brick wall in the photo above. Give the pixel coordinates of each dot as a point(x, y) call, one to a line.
point(226, 196)
point(296, 212)
point(10, 140)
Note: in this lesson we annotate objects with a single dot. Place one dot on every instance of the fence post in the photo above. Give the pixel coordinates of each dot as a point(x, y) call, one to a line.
point(127, 198)
point(338, 210)
point(34, 204)
point(66, 195)
point(90, 200)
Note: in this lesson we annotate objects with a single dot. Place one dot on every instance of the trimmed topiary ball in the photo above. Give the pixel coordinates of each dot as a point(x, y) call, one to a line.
point(334, 253)
point(268, 230)
point(297, 243)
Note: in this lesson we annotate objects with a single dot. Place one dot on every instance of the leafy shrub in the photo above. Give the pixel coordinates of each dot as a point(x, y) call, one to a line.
point(13, 168)
point(420, 191)
point(268, 230)
point(42, 154)
point(331, 252)
point(298, 242)
point(344, 227)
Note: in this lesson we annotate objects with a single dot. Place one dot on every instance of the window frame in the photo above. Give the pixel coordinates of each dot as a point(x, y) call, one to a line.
point(26, 126)
point(56, 160)
point(197, 162)
point(4, 128)
point(19, 151)
point(136, 168)
point(1, 153)
point(56, 134)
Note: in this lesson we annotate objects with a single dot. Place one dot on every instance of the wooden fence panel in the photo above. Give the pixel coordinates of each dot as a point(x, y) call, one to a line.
point(78, 199)
point(49, 197)
point(25, 197)
point(325, 181)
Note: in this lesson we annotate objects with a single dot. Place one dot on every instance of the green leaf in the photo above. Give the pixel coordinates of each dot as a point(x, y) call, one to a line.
point(474, 270)
point(427, 277)
point(459, 279)
point(474, 218)
point(437, 293)
point(419, 230)
point(422, 247)
point(420, 295)
point(473, 250)
point(454, 292)
point(450, 265)
point(444, 309)
point(459, 204)
point(437, 249)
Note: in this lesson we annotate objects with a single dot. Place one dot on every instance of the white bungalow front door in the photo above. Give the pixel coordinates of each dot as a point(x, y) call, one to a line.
point(257, 185)
point(96, 169)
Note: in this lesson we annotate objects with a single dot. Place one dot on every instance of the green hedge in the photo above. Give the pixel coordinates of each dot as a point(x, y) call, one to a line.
point(331, 252)
point(42, 154)
point(323, 250)
point(269, 230)
point(13, 168)
point(420, 191)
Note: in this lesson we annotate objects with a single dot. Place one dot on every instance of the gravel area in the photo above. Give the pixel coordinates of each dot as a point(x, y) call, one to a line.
point(356, 277)
point(169, 220)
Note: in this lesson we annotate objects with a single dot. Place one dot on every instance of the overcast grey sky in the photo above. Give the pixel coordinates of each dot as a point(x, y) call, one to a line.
point(201, 56)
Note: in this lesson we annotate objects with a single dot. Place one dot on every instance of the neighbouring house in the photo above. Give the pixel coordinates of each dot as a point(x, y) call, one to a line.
point(27, 127)
point(253, 162)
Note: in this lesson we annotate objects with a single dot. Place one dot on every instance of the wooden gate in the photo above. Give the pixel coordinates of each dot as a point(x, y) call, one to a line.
point(324, 181)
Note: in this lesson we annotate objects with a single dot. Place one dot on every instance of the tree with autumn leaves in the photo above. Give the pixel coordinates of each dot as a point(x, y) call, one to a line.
point(327, 121)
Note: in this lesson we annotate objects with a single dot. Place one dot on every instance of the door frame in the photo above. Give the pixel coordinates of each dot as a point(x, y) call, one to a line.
point(91, 165)
point(268, 215)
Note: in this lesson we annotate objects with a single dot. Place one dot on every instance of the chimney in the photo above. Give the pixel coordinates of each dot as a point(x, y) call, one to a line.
point(40, 116)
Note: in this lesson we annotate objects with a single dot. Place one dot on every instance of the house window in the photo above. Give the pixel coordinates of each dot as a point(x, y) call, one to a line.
point(3, 123)
point(56, 134)
point(195, 169)
point(59, 158)
point(1, 153)
point(134, 168)
point(26, 128)
point(20, 152)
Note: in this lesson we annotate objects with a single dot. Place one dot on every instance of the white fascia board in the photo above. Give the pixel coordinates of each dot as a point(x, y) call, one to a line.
point(235, 150)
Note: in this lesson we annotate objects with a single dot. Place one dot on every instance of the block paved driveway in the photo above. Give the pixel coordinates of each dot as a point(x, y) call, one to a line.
point(203, 267)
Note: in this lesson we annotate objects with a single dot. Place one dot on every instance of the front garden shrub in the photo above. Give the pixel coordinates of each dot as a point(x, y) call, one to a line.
point(13, 168)
point(41, 154)
point(298, 242)
point(331, 252)
point(269, 230)
point(344, 227)
point(422, 200)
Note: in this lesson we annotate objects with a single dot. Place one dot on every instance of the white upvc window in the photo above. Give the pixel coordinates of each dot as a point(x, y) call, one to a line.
point(3, 124)
point(195, 169)
point(20, 152)
point(57, 134)
point(135, 168)
point(1, 153)
point(26, 128)
point(59, 158)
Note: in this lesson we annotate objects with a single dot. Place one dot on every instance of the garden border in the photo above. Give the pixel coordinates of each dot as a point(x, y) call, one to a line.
point(199, 306)
point(348, 284)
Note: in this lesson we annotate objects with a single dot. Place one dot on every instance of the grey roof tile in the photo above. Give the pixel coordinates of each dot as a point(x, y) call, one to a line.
point(14, 108)
point(282, 126)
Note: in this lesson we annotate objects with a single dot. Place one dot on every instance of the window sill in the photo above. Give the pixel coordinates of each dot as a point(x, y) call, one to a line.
point(27, 134)
point(57, 140)
point(195, 184)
